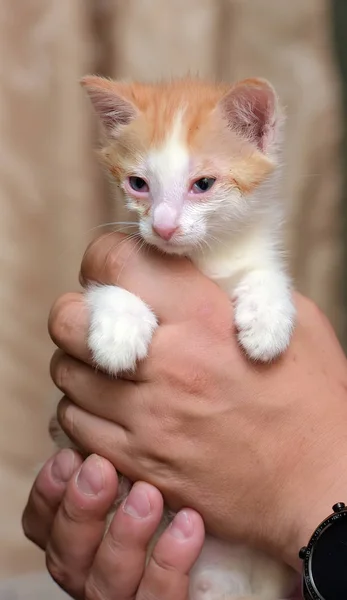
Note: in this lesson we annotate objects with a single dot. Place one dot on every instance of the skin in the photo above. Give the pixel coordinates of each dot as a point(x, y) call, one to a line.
point(196, 402)
point(65, 516)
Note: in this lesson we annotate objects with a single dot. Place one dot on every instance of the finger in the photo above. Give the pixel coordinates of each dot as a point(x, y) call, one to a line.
point(79, 525)
point(120, 560)
point(46, 495)
point(102, 436)
point(68, 326)
point(94, 391)
point(167, 574)
point(165, 283)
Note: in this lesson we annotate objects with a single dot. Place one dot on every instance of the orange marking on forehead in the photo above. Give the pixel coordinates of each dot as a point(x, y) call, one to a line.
point(159, 104)
point(214, 148)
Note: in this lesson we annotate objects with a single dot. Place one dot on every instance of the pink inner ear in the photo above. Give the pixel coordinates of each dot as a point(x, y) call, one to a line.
point(113, 110)
point(251, 111)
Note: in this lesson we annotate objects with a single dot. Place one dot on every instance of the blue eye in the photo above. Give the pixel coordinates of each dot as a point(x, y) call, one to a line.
point(138, 184)
point(203, 185)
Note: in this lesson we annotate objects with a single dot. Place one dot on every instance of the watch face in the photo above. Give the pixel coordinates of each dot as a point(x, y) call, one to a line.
point(328, 560)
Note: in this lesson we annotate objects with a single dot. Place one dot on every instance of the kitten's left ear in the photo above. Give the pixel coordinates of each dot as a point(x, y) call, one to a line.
point(251, 109)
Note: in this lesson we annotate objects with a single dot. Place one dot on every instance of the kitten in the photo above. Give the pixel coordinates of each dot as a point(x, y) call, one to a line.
point(198, 163)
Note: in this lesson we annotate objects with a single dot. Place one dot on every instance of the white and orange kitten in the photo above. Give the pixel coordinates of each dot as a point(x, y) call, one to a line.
point(198, 163)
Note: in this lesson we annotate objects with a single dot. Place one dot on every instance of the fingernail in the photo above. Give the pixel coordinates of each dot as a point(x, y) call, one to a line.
point(63, 466)
point(182, 526)
point(137, 504)
point(90, 479)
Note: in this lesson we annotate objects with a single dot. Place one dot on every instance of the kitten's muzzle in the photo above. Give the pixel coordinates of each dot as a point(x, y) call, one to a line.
point(165, 232)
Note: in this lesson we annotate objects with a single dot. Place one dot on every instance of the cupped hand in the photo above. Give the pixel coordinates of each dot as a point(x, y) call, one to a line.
point(66, 515)
point(257, 450)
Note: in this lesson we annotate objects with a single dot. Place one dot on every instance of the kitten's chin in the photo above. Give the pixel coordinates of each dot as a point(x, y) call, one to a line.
point(171, 247)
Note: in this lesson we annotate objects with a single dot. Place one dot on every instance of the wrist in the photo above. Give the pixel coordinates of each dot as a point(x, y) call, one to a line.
point(309, 506)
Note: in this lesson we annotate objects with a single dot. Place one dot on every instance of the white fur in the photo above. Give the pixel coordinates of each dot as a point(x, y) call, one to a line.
point(264, 313)
point(121, 328)
point(251, 271)
point(169, 164)
point(167, 168)
point(224, 570)
point(234, 241)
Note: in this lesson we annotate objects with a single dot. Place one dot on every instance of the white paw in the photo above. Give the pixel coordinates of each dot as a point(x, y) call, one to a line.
point(264, 315)
point(121, 328)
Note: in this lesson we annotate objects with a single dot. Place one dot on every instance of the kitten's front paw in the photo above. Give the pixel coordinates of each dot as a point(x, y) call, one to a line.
point(121, 328)
point(264, 317)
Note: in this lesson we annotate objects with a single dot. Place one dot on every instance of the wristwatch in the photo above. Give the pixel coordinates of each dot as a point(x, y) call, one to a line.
point(325, 559)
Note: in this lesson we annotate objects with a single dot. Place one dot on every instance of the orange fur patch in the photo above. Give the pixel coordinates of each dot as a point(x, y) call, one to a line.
point(211, 143)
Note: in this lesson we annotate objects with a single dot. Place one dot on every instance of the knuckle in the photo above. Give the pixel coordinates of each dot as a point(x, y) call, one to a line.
point(38, 498)
point(72, 513)
point(60, 370)
point(213, 310)
point(27, 527)
point(158, 464)
point(58, 570)
point(34, 510)
point(163, 565)
point(196, 380)
point(60, 322)
point(65, 415)
point(115, 546)
point(217, 327)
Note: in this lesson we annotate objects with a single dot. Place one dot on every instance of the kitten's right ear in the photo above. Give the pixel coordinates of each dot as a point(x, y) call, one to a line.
point(109, 102)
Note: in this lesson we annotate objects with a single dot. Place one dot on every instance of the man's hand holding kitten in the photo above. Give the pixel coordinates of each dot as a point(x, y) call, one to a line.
point(210, 429)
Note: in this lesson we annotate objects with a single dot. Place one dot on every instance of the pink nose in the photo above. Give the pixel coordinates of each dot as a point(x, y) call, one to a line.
point(164, 231)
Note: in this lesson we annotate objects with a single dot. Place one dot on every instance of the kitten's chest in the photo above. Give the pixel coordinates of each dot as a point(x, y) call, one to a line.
point(225, 271)
point(227, 264)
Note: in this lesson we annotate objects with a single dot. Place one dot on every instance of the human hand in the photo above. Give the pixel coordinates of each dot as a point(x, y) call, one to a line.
point(258, 450)
point(66, 514)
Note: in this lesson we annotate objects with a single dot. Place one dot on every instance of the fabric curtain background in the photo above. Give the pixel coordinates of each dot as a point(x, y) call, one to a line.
point(52, 191)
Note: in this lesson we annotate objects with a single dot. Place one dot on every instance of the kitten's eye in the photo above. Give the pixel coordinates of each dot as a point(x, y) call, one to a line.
point(138, 184)
point(203, 185)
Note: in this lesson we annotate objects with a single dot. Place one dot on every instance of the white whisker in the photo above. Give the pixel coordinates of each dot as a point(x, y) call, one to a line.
point(127, 223)
point(137, 247)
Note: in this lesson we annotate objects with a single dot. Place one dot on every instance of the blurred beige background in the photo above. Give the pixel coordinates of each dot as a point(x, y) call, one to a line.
point(52, 192)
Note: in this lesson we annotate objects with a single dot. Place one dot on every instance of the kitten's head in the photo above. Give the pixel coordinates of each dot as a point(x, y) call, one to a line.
point(189, 156)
